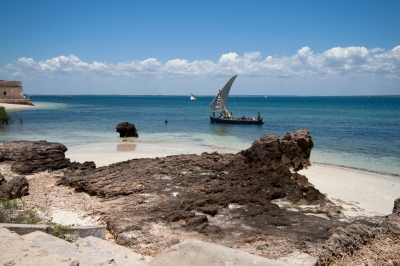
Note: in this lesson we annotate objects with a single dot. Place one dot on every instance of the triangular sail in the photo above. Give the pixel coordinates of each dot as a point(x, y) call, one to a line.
point(221, 99)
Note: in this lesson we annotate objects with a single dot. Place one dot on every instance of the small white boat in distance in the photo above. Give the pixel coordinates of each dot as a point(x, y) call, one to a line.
point(192, 98)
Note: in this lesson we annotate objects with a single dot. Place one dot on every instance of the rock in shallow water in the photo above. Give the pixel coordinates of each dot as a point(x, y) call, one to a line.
point(127, 130)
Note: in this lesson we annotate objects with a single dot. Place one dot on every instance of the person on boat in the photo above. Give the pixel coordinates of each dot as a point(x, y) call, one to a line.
point(213, 113)
point(231, 115)
point(259, 116)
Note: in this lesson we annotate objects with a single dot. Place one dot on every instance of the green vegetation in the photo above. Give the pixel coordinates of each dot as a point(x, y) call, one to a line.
point(4, 116)
point(61, 231)
point(14, 211)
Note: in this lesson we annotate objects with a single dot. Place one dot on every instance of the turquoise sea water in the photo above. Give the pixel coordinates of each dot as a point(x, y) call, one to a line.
point(359, 132)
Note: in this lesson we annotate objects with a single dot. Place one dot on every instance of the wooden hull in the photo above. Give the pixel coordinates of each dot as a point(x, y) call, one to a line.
point(242, 121)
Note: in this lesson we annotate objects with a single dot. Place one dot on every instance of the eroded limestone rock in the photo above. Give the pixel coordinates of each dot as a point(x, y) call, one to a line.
point(126, 130)
point(16, 187)
point(34, 156)
point(272, 151)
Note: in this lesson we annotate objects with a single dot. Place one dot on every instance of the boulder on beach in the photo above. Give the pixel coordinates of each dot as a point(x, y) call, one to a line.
point(16, 187)
point(127, 130)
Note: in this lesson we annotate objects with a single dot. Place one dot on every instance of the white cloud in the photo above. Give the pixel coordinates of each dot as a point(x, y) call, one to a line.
point(28, 62)
point(252, 55)
point(304, 65)
point(228, 58)
point(304, 62)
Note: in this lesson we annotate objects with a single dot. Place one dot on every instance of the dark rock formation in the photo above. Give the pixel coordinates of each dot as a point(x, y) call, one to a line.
point(357, 243)
point(226, 198)
point(126, 130)
point(33, 156)
point(17, 187)
point(396, 207)
point(273, 151)
point(2, 179)
point(86, 166)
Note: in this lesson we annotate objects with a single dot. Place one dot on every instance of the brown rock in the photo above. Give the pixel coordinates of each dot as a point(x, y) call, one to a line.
point(17, 187)
point(33, 156)
point(2, 179)
point(273, 151)
point(126, 130)
point(396, 207)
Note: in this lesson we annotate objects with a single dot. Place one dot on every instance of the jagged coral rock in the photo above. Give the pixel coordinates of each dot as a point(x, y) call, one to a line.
point(34, 156)
point(272, 151)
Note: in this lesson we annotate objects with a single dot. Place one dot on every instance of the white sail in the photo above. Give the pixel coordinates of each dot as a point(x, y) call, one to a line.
point(221, 99)
point(192, 97)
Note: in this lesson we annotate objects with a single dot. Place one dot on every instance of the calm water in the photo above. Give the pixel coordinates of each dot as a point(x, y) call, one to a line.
point(360, 132)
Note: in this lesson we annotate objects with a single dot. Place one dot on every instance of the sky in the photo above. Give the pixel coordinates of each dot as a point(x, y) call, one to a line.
point(146, 47)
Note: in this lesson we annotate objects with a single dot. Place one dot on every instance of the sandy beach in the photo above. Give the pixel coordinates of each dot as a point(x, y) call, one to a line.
point(107, 153)
point(360, 193)
point(9, 106)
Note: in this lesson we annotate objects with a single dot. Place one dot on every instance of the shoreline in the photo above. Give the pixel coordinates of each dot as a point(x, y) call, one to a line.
point(106, 153)
point(360, 192)
point(11, 106)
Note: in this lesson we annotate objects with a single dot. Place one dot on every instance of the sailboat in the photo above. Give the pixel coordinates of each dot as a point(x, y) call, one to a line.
point(219, 104)
point(192, 98)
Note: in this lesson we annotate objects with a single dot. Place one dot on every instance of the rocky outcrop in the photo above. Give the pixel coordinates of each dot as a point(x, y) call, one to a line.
point(33, 156)
point(86, 166)
point(272, 151)
point(16, 187)
point(358, 243)
point(223, 198)
point(126, 130)
point(396, 207)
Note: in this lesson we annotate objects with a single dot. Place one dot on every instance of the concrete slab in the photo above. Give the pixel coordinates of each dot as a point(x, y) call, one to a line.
point(15, 250)
point(110, 252)
point(89, 251)
point(88, 230)
point(196, 252)
point(79, 231)
point(23, 229)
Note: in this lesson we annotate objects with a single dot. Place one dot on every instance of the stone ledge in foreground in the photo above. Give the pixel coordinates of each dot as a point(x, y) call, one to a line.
point(79, 231)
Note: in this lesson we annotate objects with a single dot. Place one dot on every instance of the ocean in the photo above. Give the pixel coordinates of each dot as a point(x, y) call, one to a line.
point(357, 132)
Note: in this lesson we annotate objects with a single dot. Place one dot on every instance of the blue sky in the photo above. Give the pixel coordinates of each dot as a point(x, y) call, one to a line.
point(183, 47)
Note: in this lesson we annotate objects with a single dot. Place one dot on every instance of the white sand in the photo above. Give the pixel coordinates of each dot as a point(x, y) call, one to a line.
point(72, 218)
point(360, 193)
point(9, 106)
point(107, 153)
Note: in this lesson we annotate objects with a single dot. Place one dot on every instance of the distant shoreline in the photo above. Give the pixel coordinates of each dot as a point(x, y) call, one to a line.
point(208, 95)
point(11, 106)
